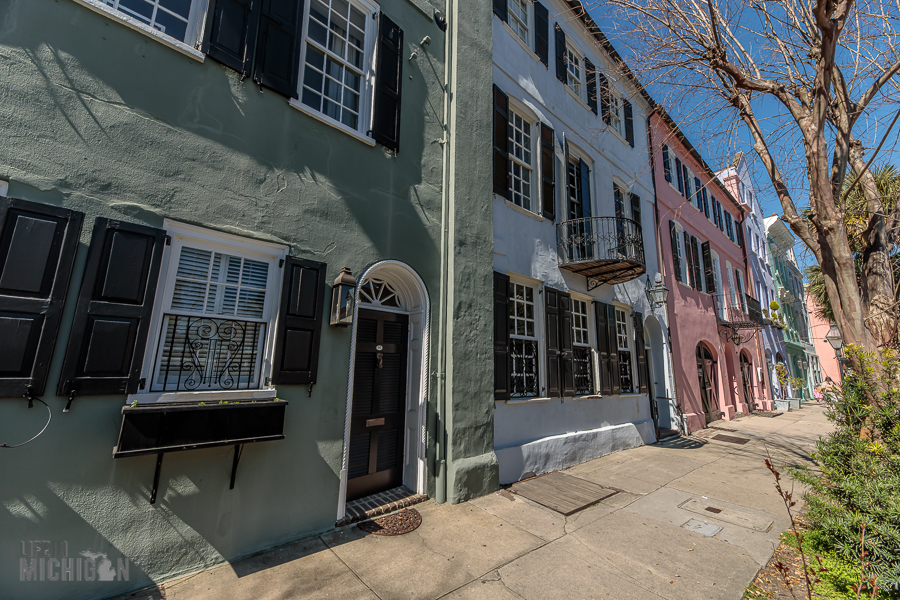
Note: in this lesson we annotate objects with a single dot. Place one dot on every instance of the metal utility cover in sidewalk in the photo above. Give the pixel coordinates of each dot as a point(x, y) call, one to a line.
point(730, 438)
point(563, 493)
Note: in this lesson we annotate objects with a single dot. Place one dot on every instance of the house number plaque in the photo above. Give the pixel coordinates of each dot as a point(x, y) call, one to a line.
point(374, 422)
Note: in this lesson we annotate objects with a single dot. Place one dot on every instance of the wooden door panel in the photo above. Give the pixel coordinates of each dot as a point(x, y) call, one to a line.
point(377, 424)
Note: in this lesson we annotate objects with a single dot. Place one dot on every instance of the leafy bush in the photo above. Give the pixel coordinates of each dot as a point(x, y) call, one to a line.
point(857, 485)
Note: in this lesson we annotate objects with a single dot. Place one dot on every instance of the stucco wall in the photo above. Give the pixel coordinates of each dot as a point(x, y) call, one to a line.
point(692, 313)
point(545, 434)
point(102, 119)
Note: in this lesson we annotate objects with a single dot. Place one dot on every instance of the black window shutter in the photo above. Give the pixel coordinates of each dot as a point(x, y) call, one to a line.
point(676, 257)
point(715, 211)
point(721, 218)
point(667, 165)
point(388, 80)
point(695, 253)
point(552, 333)
point(629, 123)
point(501, 143)
point(689, 261)
point(548, 173)
point(561, 73)
point(566, 349)
point(112, 318)
point(296, 358)
point(640, 351)
point(603, 349)
point(501, 336)
point(603, 83)
point(679, 175)
point(542, 33)
point(705, 203)
point(231, 28)
point(277, 63)
point(687, 182)
point(614, 374)
point(584, 172)
point(37, 249)
point(635, 208)
point(739, 233)
point(500, 9)
point(591, 73)
point(708, 268)
point(697, 195)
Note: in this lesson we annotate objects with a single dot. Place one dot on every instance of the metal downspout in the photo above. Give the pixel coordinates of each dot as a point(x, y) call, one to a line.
point(440, 429)
point(660, 266)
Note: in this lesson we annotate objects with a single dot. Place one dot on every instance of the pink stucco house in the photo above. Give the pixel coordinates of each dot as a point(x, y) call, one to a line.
point(818, 329)
point(712, 312)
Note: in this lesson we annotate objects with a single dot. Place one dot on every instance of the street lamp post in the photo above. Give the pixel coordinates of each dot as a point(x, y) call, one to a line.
point(833, 337)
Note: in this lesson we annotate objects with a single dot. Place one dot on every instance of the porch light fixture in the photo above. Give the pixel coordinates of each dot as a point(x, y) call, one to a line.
point(737, 339)
point(657, 294)
point(834, 338)
point(342, 298)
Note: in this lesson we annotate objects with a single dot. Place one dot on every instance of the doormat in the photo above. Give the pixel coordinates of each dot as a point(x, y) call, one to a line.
point(730, 439)
point(563, 493)
point(767, 413)
point(398, 523)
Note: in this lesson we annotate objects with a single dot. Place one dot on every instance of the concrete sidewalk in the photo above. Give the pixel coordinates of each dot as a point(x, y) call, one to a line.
point(630, 546)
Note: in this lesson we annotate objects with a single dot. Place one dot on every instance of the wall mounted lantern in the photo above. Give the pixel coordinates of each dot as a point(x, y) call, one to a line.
point(834, 338)
point(657, 294)
point(342, 298)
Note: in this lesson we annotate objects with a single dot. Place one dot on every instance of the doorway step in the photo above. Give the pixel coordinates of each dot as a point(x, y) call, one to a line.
point(379, 504)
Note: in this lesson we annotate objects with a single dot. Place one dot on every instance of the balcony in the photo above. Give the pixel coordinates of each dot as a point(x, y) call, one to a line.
point(606, 250)
point(735, 314)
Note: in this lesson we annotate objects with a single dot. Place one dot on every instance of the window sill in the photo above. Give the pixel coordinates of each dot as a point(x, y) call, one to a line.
point(136, 25)
point(523, 210)
point(339, 126)
point(194, 397)
point(587, 397)
point(522, 43)
point(631, 395)
point(578, 98)
point(529, 400)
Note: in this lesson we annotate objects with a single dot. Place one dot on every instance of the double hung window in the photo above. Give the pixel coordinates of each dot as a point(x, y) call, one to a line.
point(518, 18)
point(336, 64)
point(521, 165)
point(178, 19)
point(616, 120)
point(576, 74)
point(216, 313)
point(626, 379)
point(667, 163)
point(523, 341)
point(583, 360)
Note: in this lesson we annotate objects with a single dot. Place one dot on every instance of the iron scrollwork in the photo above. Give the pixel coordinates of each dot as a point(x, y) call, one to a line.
point(201, 353)
point(524, 379)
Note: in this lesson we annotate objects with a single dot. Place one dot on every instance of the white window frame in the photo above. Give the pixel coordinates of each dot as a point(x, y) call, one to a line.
point(512, 17)
point(518, 109)
point(366, 96)
point(181, 235)
point(586, 330)
point(576, 154)
point(538, 336)
point(193, 32)
point(629, 336)
point(742, 285)
point(577, 85)
point(616, 112)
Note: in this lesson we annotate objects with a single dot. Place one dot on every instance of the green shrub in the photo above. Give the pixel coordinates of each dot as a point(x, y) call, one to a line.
point(857, 483)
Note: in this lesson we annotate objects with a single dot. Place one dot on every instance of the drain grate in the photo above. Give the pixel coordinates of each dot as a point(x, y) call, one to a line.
point(730, 439)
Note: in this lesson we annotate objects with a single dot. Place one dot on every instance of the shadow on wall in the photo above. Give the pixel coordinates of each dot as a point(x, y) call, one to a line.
point(188, 139)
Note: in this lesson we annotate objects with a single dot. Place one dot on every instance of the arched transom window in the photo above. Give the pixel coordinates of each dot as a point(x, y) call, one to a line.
point(377, 292)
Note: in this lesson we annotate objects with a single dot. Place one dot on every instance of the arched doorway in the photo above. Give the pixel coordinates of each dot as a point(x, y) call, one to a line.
point(706, 373)
point(747, 380)
point(384, 431)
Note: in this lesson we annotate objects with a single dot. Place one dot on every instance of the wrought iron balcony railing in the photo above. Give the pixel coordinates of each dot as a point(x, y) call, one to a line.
point(603, 249)
point(737, 312)
point(201, 353)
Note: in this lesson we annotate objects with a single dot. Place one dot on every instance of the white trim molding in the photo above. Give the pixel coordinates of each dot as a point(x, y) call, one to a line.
point(414, 298)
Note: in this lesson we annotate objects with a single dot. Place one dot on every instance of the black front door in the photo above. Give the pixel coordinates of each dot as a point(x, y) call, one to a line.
point(377, 422)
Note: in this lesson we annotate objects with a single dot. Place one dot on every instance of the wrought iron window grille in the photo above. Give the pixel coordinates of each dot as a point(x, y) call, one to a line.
point(524, 373)
point(202, 353)
point(583, 367)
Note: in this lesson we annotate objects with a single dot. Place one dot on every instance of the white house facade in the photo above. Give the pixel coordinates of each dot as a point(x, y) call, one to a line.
point(582, 363)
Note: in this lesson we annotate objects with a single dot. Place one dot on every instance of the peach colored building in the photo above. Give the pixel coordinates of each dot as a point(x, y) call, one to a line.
point(712, 313)
point(818, 329)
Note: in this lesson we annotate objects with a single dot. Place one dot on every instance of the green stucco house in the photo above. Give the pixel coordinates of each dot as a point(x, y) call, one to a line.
point(236, 242)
